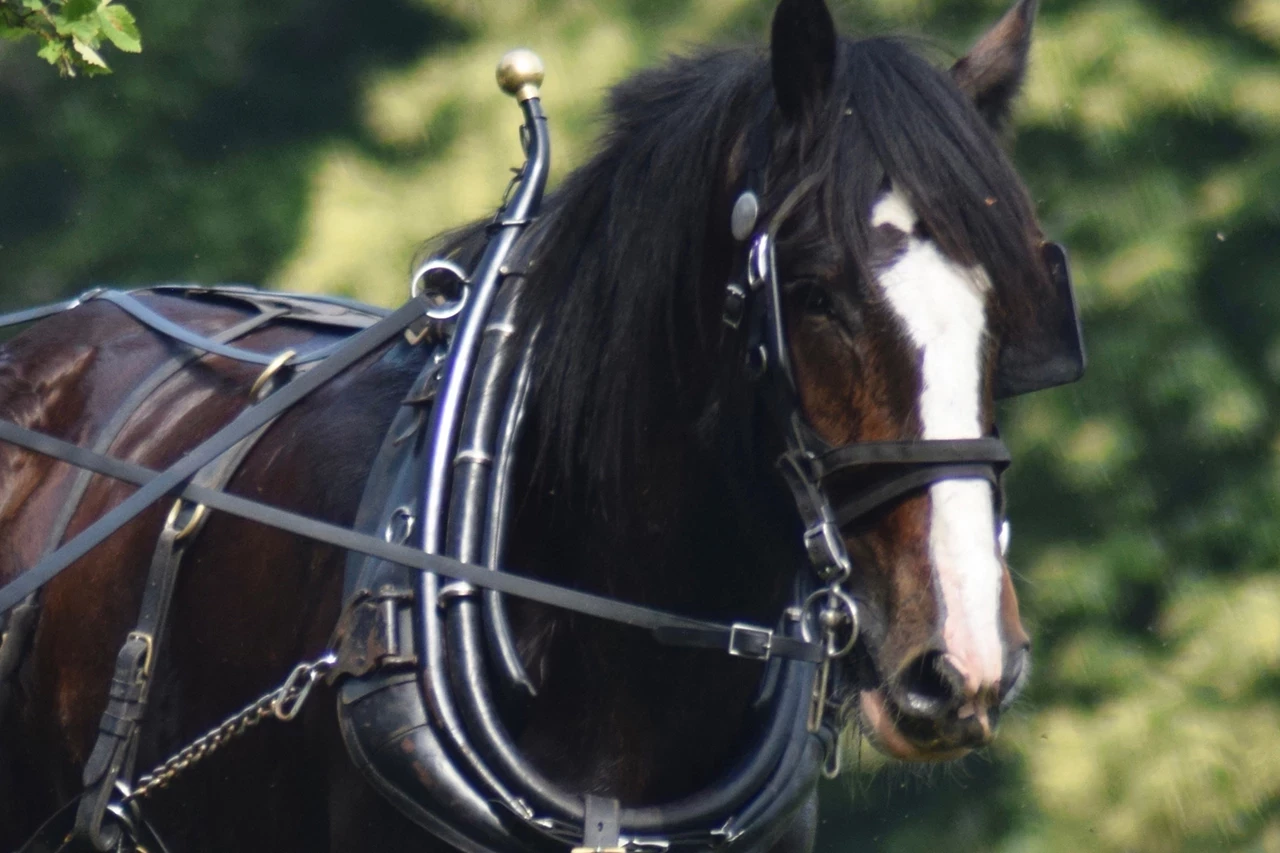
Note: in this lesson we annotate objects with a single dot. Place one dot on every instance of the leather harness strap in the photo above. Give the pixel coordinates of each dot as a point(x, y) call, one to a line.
point(22, 619)
point(113, 755)
point(130, 305)
point(169, 482)
point(341, 537)
point(31, 315)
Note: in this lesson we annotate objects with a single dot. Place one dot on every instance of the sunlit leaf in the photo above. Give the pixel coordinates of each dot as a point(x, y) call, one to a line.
point(120, 28)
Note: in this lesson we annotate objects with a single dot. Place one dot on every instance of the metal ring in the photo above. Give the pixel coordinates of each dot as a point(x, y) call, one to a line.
point(447, 308)
point(277, 364)
point(847, 604)
point(192, 523)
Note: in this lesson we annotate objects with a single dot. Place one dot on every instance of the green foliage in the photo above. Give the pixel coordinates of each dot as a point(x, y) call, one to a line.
point(194, 162)
point(315, 143)
point(72, 31)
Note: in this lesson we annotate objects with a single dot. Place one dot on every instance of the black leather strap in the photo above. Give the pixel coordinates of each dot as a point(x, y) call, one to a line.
point(920, 464)
point(22, 620)
point(133, 307)
point(931, 452)
point(901, 485)
point(108, 434)
point(115, 750)
point(171, 480)
point(745, 641)
point(481, 576)
point(30, 315)
point(310, 308)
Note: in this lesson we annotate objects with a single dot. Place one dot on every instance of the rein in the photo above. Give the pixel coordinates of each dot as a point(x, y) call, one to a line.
point(734, 639)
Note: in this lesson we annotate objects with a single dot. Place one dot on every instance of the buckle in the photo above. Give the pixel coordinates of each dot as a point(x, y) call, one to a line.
point(750, 641)
point(826, 552)
point(148, 652)
point(192, 523)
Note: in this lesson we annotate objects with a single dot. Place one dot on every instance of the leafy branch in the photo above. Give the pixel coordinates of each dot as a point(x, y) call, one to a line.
point(72, 31)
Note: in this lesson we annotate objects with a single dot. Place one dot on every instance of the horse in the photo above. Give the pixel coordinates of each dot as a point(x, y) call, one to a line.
point(913, 291)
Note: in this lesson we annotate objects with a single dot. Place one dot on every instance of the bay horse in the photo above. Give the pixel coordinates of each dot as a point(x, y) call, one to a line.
point(913, 292)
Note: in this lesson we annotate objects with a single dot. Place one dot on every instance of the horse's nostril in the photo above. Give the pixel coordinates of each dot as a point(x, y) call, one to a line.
point(927, 686)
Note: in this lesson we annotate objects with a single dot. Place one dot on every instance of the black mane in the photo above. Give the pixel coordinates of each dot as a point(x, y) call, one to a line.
point(633, 250)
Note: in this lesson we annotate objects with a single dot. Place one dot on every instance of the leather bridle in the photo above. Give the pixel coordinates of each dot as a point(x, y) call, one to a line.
point(809, 465)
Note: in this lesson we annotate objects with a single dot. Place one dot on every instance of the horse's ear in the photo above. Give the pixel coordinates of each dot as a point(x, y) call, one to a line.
point(992, 72)
point(804, 55)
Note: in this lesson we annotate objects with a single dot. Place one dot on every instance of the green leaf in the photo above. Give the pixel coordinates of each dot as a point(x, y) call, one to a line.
point(53, 52)
point(74, 10)
point(33, 5)
point(119, 26)
point(86, 30)
point(9, 33)
point(89, 55)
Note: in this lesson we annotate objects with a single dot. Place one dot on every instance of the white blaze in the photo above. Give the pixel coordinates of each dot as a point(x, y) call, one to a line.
point(943, 307)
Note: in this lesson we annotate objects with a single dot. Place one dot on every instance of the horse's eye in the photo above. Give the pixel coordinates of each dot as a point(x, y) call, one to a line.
point(817, 301)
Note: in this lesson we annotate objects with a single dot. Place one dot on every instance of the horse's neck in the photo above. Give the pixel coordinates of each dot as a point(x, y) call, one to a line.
point(617, 711)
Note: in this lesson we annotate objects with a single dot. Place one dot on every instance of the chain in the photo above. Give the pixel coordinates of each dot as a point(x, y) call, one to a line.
point(284, 703)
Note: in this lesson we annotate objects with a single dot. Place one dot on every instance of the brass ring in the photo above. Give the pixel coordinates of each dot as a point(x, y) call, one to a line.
point(192, 523)
point(271, 370)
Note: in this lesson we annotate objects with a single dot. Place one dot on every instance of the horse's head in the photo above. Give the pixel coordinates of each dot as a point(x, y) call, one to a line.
point(916, 289)
point(911, 289)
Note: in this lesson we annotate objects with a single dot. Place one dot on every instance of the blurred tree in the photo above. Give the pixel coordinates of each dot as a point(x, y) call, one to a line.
point(194, 162)
point(315, 145)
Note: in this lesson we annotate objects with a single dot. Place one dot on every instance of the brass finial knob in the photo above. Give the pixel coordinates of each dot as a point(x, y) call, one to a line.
point(520, 74)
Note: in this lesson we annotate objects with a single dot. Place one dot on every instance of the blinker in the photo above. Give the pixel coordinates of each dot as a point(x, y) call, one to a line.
point(1046, 349)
